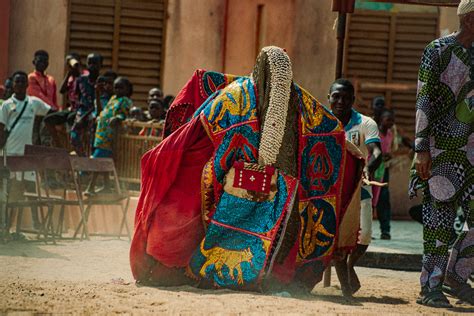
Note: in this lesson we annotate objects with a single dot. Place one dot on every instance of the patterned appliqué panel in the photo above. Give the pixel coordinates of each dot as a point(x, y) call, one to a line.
point(318, 228)
point(315, 118)
point(321, 161)
point(237, 249)
point(255, 217)
point(229, 258)
point(234, 105)
point(239, 143)
point(214, 81)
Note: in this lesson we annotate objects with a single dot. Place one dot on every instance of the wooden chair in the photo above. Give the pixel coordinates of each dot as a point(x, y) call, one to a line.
point(57, 161)
point(18, 199)
point(81, 165)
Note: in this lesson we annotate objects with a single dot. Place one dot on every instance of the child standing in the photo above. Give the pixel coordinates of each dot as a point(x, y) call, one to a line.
point(157, 113)
point(42, 86)
point(381, 195)
point(116, 110)
point(86, 90)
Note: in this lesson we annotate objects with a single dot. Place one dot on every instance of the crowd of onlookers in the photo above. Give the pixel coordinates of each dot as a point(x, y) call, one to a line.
point(95, 102)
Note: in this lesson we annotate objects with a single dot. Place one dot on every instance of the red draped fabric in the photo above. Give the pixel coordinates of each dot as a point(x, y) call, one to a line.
point(185, 104)
point(168, 224)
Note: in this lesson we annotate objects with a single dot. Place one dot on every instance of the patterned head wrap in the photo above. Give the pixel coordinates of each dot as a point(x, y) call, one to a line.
point(465, 7)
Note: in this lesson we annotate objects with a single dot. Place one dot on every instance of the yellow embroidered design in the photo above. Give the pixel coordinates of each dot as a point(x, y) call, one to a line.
point(313, 113)
point(234, 101)
point(231, 258)
point(309, 241)
point(207, 192)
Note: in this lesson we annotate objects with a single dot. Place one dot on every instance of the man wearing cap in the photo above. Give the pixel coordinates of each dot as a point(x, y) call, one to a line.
point(444, 161)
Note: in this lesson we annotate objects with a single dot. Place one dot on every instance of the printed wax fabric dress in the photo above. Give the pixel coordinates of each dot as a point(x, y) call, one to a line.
point(444, 127)
point(445, 119)
point(250, 187)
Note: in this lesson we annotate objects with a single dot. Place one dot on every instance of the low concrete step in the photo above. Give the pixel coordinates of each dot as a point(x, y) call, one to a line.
point(393, 261)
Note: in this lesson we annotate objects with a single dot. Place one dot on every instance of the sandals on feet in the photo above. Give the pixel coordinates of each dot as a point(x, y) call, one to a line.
point(464, 293)
point(433, 298)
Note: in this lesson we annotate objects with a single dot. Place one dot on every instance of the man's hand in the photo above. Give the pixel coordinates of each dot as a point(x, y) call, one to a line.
point(423, 164)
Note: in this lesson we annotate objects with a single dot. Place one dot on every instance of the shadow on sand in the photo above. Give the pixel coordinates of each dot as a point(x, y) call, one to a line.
point(30, 249)
point(354, 301)
point(359, 300)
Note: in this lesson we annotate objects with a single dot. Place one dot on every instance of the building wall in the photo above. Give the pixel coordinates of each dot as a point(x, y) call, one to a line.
point(193, 40)
point(196, 33)
point(314, 47)
point(275, 28)
point(448, 20)
point(4, 38)
point(38, 24)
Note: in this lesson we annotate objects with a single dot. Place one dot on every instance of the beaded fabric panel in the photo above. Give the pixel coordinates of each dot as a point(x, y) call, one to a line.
point(273, 127)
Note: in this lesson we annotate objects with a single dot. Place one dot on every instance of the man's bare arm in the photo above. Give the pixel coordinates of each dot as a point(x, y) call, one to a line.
point(375, 157)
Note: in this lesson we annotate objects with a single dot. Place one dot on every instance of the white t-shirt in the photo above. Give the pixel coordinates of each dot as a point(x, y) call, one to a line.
point(361, 131)
point(22, 134)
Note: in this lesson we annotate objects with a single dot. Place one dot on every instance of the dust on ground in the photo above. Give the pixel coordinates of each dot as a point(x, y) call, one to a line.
point(93, 277)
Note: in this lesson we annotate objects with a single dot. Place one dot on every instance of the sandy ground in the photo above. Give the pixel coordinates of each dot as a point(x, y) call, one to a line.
point(93, 277)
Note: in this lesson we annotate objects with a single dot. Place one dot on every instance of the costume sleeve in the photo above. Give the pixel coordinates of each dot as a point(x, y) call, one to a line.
point(372, 132)
point(427, 95)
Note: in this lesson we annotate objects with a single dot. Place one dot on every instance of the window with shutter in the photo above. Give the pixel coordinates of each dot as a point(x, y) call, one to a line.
point(383, 53)
point(128, 33)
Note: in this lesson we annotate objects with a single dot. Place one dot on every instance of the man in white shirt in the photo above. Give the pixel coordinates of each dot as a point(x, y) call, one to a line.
point(26, 108)
point(22, 133)
point(363, 132)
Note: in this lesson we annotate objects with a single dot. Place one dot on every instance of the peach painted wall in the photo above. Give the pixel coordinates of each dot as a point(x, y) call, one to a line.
point(195, 34)
point(314, 47)
point(276, 28)
point(193, 40)
point(4, 38)
point(38, 24)
point(448, 20)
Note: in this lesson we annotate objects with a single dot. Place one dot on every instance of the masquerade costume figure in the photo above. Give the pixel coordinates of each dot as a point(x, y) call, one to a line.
point(249, 189)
